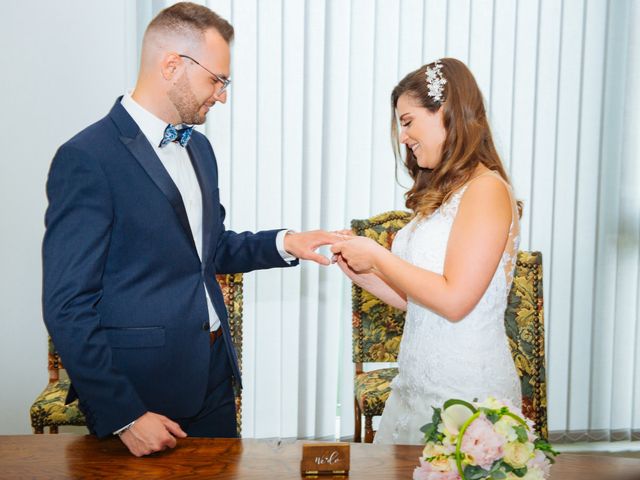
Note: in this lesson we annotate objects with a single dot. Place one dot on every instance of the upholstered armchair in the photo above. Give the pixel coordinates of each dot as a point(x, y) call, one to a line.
point(49, 409)
point(524, 322)
point(377, 330)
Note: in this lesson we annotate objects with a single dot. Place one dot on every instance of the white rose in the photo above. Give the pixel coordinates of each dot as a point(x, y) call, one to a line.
point(491, 403)
point(433, 450)
point(518, 454)
point(449, 444)
point(533, 474)
point(441, 464)
point(504, 427)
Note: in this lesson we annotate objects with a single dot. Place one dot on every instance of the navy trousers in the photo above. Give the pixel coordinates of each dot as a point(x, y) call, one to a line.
point(217, 418)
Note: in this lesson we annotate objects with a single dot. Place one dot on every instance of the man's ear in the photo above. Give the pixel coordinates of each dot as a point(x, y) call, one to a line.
point(169, 65)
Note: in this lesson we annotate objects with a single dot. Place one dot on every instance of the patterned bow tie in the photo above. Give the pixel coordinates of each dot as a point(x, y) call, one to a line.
point(178, 135)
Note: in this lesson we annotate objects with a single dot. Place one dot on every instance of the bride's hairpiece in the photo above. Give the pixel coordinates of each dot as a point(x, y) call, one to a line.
point(435, 81)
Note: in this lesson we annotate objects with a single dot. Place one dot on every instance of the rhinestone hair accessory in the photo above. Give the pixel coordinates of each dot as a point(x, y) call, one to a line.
point(435, 81)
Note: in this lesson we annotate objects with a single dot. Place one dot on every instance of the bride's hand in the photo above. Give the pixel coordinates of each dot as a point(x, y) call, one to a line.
point(360, 253)
point(346, 235)
point(361, 279)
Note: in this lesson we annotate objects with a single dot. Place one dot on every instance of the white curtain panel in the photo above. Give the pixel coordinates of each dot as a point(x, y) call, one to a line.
point(304, 143)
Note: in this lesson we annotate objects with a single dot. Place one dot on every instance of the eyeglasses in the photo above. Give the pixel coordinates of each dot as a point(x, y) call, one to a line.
point(224, 81)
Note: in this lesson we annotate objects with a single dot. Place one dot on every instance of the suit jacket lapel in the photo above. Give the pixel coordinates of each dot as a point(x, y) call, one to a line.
point(135, 141)
point(205, 180)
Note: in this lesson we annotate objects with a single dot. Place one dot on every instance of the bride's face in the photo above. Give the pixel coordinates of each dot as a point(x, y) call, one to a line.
point(421, 131)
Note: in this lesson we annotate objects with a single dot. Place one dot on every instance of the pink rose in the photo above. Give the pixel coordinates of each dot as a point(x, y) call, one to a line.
point(482, 443)
point(427, 472)
point(541, 462)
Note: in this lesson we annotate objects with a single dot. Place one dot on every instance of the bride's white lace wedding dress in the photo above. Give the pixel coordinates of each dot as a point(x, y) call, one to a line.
point(439, 359)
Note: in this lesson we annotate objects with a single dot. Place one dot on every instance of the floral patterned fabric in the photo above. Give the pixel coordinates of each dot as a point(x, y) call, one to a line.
point(49, 409)
point(377, 328)
point(372, 390)
point(231, 286)
point(524, 322)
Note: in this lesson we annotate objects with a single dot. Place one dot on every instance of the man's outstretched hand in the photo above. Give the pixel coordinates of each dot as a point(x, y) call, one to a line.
point(151, 433)
point(303, 245)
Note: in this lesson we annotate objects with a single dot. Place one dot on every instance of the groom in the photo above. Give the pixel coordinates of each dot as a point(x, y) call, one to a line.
point(134, 239)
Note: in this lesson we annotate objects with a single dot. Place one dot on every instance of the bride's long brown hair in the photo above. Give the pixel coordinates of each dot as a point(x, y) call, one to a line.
point(468, 139)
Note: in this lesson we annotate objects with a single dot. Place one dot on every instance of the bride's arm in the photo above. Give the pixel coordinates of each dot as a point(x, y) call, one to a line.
point(375, 284)
point(476, 243)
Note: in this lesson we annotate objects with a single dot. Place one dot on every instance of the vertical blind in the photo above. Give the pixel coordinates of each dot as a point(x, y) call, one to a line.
point(304, 143)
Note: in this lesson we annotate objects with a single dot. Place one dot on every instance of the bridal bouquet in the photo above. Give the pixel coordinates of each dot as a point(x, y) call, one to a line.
point(484, 440)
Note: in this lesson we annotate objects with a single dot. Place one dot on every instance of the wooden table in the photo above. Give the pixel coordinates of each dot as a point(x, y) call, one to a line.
point(74, 456)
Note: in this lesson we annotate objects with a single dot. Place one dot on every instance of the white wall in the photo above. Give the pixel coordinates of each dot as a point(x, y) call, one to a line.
point(64, 63)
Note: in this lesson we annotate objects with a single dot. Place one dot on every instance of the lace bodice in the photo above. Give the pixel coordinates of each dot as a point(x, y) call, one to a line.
point(440, 359)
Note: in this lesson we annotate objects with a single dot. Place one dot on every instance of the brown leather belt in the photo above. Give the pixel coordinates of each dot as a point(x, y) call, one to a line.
point(213, 336)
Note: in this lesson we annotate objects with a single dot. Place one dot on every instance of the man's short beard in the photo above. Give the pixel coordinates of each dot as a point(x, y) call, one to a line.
point(185, 102)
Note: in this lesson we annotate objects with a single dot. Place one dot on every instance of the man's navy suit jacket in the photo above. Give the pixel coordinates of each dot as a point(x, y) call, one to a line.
point(123, 293)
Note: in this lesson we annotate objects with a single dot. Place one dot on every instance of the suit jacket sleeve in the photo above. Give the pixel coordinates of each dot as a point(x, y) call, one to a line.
point(76, 244)
point(245, 251)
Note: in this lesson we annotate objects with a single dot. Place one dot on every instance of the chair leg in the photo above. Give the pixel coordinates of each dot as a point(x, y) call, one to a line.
point(368, 429)
point(357, 434)
point(38, 430)
point(53, 429)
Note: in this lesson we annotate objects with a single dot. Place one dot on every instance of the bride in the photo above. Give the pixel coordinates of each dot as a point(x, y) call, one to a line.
point(451, 267)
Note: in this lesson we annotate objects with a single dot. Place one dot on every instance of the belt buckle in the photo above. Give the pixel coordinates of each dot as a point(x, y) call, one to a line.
point(213, 336)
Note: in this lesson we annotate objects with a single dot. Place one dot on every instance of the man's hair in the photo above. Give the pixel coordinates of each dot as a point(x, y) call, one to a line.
point(189, 19)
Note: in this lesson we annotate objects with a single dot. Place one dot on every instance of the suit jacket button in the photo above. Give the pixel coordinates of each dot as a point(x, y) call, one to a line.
point(205, 326)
